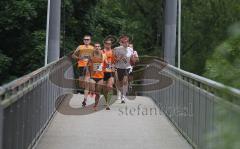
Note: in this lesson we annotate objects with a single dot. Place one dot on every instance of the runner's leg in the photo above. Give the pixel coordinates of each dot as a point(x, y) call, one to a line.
point(98, 90)
point(109, 91)
point(125, 84)
point(121, 74)
point(86, 86)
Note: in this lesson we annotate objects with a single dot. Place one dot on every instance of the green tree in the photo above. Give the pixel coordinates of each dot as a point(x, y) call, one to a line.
point(224, 64)
point(20, 20)
point(204, 24)
point(142, 20)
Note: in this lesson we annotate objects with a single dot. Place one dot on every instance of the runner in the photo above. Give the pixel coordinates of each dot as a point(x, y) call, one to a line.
point(135, 55)
point(97, 46)
point(97, 74)
point(82, 55)
point(123, 55)
point(108, 72)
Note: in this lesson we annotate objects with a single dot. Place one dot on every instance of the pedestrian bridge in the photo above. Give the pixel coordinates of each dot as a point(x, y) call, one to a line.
point(170, 109)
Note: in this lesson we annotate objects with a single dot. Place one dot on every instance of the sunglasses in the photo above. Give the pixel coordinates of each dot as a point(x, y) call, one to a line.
point(124, 42)
point(86, 39)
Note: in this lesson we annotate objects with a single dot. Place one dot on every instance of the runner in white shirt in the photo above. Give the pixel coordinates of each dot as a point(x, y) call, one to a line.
point(123, 55)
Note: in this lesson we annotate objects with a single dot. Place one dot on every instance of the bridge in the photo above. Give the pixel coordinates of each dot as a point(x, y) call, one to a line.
point(175, 109)
point(169, 108)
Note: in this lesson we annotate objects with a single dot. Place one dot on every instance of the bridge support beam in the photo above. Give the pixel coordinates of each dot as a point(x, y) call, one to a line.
point(52, 51)
point(170, 31)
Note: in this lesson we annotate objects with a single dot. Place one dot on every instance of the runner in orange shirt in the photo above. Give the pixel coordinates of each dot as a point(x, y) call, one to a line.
point(108, 72)
point(82, 55)
point(96, 74)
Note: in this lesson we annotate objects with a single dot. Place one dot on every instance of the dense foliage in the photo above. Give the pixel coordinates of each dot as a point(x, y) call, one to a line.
point(138, 18)
point(205, 24)
point(23, 24)
point(224, 64)
point(22, 36)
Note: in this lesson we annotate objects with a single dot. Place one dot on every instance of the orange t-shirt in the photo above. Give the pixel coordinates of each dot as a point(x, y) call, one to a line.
point(109, 61)
point(96, 67)
point(84, 52)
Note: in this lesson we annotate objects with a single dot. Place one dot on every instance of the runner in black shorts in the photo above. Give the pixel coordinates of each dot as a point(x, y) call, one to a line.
point(124, 55)
point(82, 55)
point(108, 72)
point(97, 74)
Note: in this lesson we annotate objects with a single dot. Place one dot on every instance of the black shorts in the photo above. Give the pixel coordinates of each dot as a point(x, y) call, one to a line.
point(122, 72)
point(107, 75)
point(96, 79)
point(82, 71)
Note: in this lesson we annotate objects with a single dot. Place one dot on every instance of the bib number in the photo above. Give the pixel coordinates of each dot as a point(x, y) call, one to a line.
point(108, 67)
point(97, 67)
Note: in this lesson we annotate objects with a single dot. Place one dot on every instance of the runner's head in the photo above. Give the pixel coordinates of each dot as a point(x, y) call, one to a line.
point(87, 40)
point(97, 52)
point(124, 41)
point(97, 46)
point(107, 44)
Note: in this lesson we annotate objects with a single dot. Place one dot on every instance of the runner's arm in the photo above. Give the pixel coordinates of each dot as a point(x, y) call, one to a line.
point(75, 54)
point(135, 55)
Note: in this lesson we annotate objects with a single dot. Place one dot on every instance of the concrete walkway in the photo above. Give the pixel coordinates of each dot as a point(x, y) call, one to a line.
point(138, 124)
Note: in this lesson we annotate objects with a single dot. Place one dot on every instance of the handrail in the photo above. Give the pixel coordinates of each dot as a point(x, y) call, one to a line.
point(26, 77)
point(203, 80)
point(15, 86)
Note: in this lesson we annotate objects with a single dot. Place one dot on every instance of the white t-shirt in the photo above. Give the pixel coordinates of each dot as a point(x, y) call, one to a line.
point(126, 53)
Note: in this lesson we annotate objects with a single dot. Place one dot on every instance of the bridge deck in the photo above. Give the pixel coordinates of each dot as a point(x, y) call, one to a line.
point(124, 126)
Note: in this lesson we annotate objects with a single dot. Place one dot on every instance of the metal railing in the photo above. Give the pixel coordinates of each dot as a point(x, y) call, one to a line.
point(196, 106)
point(28, 104)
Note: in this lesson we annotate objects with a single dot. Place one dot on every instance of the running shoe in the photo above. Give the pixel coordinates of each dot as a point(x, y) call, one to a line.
point(122, 101)
point(84, 103)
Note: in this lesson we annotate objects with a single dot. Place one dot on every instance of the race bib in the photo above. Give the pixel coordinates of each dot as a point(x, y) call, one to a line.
point(108, 67)
point(97, 66)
